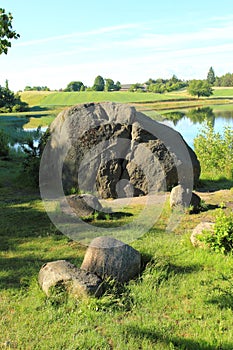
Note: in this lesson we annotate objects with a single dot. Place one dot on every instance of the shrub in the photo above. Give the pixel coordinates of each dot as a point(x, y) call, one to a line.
point(33, 153)
point(221, 239)
point(215, 151)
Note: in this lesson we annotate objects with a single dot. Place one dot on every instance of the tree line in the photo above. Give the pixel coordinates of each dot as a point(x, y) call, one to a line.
point(100, 84)
point(9, 101)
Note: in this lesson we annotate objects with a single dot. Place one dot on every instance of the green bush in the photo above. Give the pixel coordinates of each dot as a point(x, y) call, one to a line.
point(215, 151)
point(221, 239)
point(4, 147)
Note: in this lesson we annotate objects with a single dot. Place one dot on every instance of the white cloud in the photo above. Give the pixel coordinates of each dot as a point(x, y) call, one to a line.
point(129, 53)
point(79, 35)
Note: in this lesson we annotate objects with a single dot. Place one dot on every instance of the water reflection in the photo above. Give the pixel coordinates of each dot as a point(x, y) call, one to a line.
point(197, 116)
point(189, 122)
point(13, 127)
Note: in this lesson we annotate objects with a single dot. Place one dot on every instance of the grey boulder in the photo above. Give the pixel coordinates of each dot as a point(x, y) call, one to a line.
point(74, 280)
point(198, 231)
point(103, 147)
point(81, 205)
point(109, 257)
point(184, 198)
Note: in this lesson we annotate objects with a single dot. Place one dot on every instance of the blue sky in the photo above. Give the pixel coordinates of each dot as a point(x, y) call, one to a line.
point(129, 41)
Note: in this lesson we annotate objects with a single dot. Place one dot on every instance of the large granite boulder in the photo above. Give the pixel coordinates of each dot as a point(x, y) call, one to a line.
point(108, 148)
point(74, 280)
point(109, 257)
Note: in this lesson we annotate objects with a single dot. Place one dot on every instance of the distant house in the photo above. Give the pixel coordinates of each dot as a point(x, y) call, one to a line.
point(125, 87)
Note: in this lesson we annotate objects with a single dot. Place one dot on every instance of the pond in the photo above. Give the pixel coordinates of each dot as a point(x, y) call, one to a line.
point(13, 127)
point(188, 122)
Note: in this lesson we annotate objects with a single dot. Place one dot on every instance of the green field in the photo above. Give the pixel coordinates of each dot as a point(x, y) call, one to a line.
point(223, 92)
point(34, 98)
point(72, 98)
point(182, 300)
point(174, 100)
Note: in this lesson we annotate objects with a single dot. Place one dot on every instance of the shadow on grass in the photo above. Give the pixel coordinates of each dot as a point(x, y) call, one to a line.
point(99, 217)
point(17, 273)
point(222, 293)
point(173, 341)
point(23, 229)
point(214, 185)
point(223, 301)
point(38, 109)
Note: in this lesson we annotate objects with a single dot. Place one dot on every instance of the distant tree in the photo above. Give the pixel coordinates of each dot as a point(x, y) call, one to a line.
point(150, 81)
point(74, 86)
point(6, 31)
point(158, 88)
point(10, 102)
point(117, 86)
point(226, 80)
point(161, 85)
point(135, 87)
point(174, 79)
point(36, 88)
point(199, 88)
point(111, 86)
point(211, 76)
point(99, 84)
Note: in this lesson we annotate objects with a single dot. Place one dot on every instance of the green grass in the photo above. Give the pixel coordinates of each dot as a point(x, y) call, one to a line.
point(72, 98)
point(34, 98)
point(142, 101)
point(223, 92)
point(182, 300)
point(34, 122)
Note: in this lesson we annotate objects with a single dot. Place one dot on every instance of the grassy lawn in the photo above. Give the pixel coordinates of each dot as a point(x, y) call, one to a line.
point(34, 98)
point(223, 92)
point(172, 100)
point(182, 300)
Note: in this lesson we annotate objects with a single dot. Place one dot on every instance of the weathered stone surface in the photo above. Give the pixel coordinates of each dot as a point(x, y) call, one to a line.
point(99, 145)
point(197, 231)
point(75, 280)
point(181, 197)
point(82, 205)
point(108, 257)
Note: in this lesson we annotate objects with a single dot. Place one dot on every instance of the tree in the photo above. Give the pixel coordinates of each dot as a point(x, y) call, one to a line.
point(135, 87)
point(98, 84)
point(74, 86)
point(157, 88)
point(10, 102)
point(199, 88)
point(227, 80)
point(111, 86)
point(6, 31)
point(211, 76)
point(117, 86)
point(36, 88)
